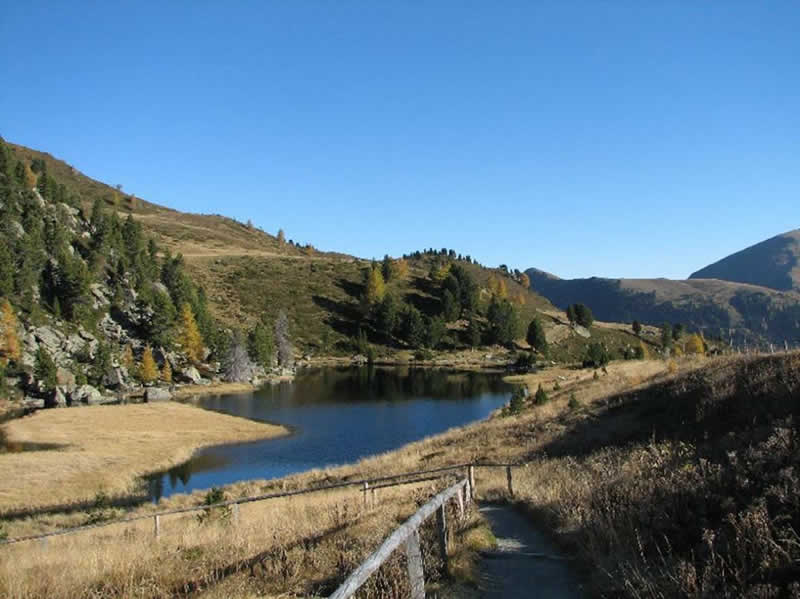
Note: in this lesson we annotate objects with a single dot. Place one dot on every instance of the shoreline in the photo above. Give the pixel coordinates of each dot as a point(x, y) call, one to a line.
point(106, 450)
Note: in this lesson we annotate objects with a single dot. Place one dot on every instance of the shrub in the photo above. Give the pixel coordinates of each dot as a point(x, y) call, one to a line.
point(596, 356)
point(541, 397)
point(423, 355)
point(573, 403)
point(517, 401)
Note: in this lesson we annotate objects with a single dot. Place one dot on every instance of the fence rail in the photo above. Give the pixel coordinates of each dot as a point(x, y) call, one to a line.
point(367, 485)
point(408, 534)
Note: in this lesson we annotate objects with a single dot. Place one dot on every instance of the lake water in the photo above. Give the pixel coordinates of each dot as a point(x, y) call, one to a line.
point(337, 415)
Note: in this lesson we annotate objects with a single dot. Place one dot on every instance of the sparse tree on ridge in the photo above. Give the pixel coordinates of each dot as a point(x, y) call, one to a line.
point(637, 327)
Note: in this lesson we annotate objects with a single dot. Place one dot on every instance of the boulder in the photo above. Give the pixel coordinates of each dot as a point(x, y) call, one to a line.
point(85, 394)
point(359, 359)
point(49, 337)
point(153, 394)
point(190, 375)
point(33, 403)
point(55, 399)
point(116, 377)
point(582, 331)
point(65, 378)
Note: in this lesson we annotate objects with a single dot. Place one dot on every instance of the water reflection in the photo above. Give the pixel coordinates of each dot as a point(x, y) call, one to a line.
point(337, 415)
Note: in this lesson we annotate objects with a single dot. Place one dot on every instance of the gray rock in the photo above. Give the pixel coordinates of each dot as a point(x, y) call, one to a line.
point(160, 287)
point(48, 336)
point(32, 403)
point(86, 394)
point(582, 331)
point(17, 229)
point(116, 377)
point(359, 359)
point(56, 399)
point(39, 199)
point(190, 375)
point(65, 378)
point(153, 394)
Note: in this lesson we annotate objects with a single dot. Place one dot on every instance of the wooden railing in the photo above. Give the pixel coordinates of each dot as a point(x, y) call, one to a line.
point(368, 488)
point(407, 534)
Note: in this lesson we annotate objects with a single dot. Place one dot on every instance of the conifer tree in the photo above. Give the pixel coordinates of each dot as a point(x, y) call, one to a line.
point(9, 342)
point(30, 177)
point(127, 358)
point(259, 345)
point(536, 337)
point(375, 288)
point(6, 271)
point(148, 372)
point(189, 335)
point(637, 327)
point(45, 369)
point(166, 372)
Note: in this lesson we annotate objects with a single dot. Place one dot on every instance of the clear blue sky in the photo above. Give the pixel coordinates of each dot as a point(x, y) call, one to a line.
point(640, 139)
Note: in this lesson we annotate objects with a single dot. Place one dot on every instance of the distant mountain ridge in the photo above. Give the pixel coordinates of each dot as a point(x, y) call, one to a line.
point(773, 263)
point(748, 297)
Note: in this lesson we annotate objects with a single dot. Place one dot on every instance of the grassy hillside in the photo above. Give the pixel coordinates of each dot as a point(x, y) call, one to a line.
point(249, 274)
point(727, 310)
point(773, 263)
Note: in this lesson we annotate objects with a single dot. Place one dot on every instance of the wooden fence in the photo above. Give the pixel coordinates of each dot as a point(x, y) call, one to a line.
point(368, 488)
point(408, 534)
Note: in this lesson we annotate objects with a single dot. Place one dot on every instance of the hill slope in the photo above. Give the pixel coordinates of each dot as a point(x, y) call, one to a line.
point(250, 275)
point(773, 263)
point(731, 311)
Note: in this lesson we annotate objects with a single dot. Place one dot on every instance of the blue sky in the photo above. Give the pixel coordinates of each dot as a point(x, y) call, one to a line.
point(636, 139)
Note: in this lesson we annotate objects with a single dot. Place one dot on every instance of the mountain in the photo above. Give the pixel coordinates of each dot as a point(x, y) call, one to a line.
point(774, 263)
point(734, 312)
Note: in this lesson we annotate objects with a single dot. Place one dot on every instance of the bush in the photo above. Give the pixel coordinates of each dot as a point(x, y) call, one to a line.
point(541, 397)
point(573, 403)
point(423, 355)
point(524, 361)
point(596, 356)
point(517, 401)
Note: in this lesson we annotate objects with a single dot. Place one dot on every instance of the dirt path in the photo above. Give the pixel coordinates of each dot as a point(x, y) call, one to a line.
point(525, 564)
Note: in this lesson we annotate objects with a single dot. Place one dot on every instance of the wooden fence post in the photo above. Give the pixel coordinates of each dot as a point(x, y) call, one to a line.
point(366, 489)
point(460, 500)
point(235, 513)
point(441, 519)
point(374, 496)
point(416, 575)
point(508, 477)
point(156, 525)
point(472, 481)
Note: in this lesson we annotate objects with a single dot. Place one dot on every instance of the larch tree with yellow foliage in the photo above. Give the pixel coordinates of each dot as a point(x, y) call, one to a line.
point(189, 335)
point(30, 177)
point(148, 371)
point(9, 342)
point(166, 372)
point(695, 345)
point(400, 269)
point(375, 287)
point(127, 358)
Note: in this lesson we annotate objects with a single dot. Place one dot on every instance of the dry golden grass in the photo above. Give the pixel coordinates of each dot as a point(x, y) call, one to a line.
point(300, 545)
point(105, 449)
point(278, 535)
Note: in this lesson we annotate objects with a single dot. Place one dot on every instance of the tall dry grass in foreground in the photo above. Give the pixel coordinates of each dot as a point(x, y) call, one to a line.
point(300, 546)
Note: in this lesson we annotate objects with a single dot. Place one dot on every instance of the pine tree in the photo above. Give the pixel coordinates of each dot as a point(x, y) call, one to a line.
point(189, 335)
point(148, 372)
point(6, 271)
point(281, 237)
point(571, 315)
point(541, 396)
point(637, 328)
point(536, 337)
point(259, 345)
point(9, 342)
point(45, 369)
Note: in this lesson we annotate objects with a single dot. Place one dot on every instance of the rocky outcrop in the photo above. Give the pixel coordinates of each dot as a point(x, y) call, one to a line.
point(155, 394)
point(85, 394)
point(55, 399)
point(190, 375)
